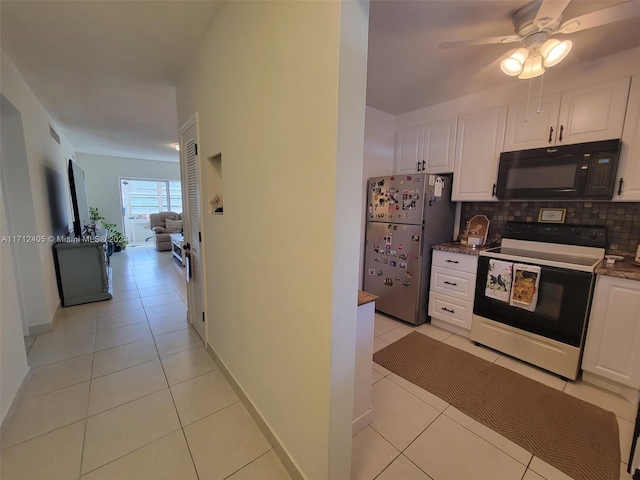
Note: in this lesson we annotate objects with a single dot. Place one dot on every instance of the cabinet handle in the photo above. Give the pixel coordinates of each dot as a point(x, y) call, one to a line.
point(620, 186)
point(418, 166)
point(451, 261)
point(561, 130)
point(447, 310)
point(550, 134)
point(493, 190)
point(450, 283)
point(423, 165)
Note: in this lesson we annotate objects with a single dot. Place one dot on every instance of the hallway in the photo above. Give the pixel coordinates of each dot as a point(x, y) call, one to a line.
point(124, 389)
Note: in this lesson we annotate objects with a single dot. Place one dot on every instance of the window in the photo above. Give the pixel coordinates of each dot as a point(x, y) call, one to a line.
point(140, 198)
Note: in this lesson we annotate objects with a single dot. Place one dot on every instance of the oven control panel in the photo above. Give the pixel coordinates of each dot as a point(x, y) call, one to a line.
point(583, 235)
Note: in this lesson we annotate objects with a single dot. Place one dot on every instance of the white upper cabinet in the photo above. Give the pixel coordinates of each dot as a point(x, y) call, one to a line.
point(593, 113)
point(532, 124)
point(587, 114)
point(427, 148)
point(439, 146)
point(409, 150)
point(629, 166)
point(479, 142)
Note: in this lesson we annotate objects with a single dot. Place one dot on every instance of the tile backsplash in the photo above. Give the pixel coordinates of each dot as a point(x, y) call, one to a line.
point(621, 219)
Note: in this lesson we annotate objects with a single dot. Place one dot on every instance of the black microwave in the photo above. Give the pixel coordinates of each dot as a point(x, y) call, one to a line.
point(585, 170)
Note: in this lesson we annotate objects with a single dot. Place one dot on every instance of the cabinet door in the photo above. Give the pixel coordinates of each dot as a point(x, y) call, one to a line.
point(629, 165)
point(478, 145)
point(532, 127)
point(439, 146)
point(593, 113)
point(612, 349)
point(409, 150)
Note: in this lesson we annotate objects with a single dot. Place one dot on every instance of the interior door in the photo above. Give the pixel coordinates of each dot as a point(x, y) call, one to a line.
point(193, 236)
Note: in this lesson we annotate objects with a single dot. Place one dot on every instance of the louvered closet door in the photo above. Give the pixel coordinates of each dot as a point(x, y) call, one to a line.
point(195, 285)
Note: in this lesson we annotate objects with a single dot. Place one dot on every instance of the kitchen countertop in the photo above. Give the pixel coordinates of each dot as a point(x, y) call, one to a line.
point(621, 269)
point(455, 247)
point(364, 298)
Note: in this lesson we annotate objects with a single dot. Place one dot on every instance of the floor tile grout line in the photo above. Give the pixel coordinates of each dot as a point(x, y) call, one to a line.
point(488, 441)
point(184, 434)
point(252, 461)
point(132, 451)
point(4, 449)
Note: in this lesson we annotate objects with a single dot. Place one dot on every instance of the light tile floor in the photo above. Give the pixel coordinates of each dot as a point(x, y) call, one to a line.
point(418, 436)
point(125, 390)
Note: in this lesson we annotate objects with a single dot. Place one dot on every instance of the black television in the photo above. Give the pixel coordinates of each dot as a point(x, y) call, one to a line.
point(79, 199)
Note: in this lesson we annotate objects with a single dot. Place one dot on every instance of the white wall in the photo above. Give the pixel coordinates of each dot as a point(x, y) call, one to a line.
point(13, 360)
point(102, 174)
point(47, 181)
point(282, 260)
point(41, 164)
point(379, 145)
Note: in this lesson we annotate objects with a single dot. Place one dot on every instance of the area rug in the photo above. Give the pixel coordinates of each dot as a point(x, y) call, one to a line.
point(574, 436)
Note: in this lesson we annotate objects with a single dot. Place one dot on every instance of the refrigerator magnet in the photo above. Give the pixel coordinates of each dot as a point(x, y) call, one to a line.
point(392, 263)
point(400, 246)
point(388, 282)
point(406, 284)
point(372, 271)
point(403, 265)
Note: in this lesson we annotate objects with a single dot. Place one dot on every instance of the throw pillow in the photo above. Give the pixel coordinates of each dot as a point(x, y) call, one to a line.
point(173, 226)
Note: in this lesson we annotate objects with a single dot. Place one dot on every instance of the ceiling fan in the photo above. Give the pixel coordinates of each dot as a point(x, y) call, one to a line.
point(535, 22)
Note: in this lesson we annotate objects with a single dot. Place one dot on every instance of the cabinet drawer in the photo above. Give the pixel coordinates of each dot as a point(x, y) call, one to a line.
point(452, 282)
point(455, 261)
point(451, 310)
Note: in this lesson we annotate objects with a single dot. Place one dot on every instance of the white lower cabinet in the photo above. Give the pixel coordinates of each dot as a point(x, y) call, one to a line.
point(452, 290)
point(612, 350)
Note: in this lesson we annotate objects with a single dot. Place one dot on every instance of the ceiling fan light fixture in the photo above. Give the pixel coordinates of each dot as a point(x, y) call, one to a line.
point(554, 51)
point(532, 67)
point(512, 65)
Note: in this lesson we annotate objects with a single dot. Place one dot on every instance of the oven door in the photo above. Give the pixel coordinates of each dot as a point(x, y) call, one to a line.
point(564, 299)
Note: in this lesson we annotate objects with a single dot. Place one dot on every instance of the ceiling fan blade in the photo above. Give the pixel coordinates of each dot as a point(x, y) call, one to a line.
point(479, 41)
point(549, 12)
point(622, 11)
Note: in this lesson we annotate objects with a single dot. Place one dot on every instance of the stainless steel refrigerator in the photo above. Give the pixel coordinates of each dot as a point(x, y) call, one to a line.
point(406, 215)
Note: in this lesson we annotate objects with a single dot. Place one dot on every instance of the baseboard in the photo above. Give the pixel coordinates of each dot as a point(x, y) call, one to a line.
point(628, 393)
point(45, 327)
point(273, 440)
point(42, 328)
point(362, 421)
point(6, 422)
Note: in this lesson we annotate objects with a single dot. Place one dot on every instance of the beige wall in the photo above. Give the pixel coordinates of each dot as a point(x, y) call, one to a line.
point(282, 262)
point(102, 175)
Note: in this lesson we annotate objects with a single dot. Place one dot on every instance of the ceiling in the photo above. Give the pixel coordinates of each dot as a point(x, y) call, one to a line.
point(407, 71)
point(106, 70)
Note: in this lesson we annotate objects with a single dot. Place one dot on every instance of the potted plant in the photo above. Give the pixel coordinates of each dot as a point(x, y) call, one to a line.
point(116, 241)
